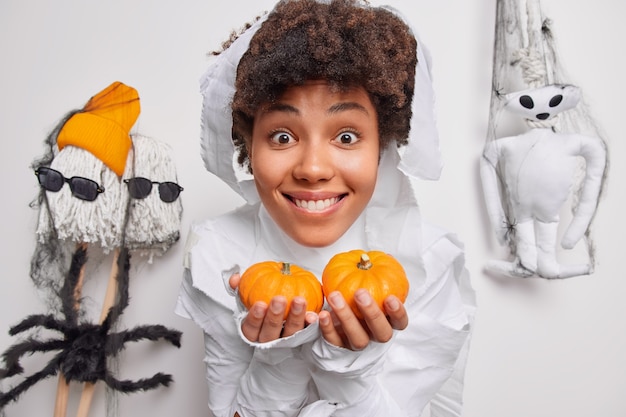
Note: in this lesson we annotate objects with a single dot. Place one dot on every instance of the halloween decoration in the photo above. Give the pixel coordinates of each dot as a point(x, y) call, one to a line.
point(92, 151)
point(84, 347)
point(154, 214)
point(529, 177)
point(376, 271)
point(264, 280)
point(93, 143)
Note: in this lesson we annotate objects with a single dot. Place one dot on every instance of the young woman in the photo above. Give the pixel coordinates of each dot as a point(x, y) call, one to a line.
point(329, 107)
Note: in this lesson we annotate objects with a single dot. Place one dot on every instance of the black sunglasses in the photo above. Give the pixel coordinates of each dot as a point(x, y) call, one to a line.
point(81, 187)
point(140, 187)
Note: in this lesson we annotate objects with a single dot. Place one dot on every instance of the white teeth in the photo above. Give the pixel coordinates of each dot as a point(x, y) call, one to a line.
point(316, 205)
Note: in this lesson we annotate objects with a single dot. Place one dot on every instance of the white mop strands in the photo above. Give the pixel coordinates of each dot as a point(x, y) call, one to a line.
point(72, 219)
point(153, 225)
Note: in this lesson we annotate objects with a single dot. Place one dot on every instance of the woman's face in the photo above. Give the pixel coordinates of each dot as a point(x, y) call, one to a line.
point(314, 154)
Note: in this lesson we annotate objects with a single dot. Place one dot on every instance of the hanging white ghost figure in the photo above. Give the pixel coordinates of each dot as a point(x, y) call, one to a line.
point(529, 177)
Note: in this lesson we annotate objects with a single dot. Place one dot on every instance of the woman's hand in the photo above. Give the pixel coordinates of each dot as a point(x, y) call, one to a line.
point(341, 327)
point(265, 323)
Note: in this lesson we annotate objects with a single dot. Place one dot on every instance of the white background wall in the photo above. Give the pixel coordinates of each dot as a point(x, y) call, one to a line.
point(540, 348)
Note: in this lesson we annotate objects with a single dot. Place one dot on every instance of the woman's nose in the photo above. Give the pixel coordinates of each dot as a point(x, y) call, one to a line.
point(315, 162)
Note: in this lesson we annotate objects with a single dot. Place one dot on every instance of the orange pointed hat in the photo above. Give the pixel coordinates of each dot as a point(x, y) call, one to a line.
point(103, 126)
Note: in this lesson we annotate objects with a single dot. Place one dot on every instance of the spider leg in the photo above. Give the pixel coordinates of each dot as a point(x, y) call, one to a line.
point(116, 341)
point(13, 354)
point(46, 321)
point(144, 384)
point(12, 395)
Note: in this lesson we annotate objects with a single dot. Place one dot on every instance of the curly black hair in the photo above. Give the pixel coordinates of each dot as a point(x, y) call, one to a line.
point(345, 42)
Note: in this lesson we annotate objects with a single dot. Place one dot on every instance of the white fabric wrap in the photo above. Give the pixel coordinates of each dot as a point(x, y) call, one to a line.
point(302, 374)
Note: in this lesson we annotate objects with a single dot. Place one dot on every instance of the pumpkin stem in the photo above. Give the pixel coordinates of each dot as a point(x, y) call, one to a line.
point(286, 270)
point(365, 262)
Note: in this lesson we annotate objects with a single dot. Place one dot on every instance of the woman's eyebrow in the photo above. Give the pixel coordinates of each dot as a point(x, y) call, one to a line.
point(281, 107)
point(345, 106)
point(334, 109)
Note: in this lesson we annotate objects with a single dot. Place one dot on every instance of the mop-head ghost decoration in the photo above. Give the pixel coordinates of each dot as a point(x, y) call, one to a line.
point(529, 177)
point(153, 225)
point(85, 204)
point(93, 146)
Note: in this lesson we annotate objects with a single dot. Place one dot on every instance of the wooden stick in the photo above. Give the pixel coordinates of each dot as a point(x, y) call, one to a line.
point(85, 399)
point(109, 301)
point(63, 386)
point(63, 392)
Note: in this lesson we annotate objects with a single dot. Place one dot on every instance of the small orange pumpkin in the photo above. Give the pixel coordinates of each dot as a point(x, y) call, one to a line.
point(264, 280)
point(379, 273)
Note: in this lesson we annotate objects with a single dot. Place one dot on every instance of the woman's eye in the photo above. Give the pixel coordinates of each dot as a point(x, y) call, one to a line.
point(347, 138)
point(282, 138)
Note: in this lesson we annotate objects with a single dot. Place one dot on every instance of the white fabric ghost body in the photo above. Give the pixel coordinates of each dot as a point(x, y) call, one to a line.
point(533, 175)
point(539, 169)
point(303, 375)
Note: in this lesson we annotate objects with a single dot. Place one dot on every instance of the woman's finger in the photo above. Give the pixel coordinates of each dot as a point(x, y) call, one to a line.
point(273, 322)
point(329, 332)
point(233, 281)
point(377, 323)
point(310, 318)
point(396, 312)
point(252, 323)
point(295, 319)
point(351, 326)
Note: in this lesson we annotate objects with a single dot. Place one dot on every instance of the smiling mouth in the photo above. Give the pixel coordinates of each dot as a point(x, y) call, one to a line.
point(316, 205)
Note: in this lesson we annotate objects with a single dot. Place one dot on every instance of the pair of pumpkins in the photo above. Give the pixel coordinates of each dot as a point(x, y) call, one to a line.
point(378, 272)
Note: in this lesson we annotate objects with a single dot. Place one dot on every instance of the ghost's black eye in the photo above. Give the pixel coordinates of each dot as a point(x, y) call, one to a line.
point(527, 102)
point(556, 100)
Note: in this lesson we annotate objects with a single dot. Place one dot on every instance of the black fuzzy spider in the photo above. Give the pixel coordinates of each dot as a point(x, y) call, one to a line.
point(85, 347)
point(510, 227)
